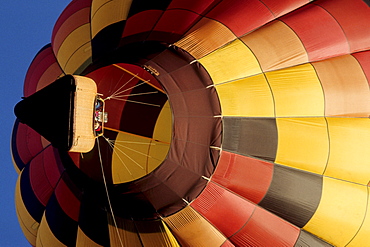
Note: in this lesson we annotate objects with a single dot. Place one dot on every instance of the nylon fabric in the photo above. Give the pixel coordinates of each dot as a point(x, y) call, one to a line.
point(362, 237)
point(17, 162)
point(223, 209)
point(121, 90)
point(78, 42)
point(144, 5)
point(51, 233)
point(66, 194)
point(233, 14)
point(363, 59)
point(296, 149)
point(276, 46)
point(28, 224)
point(155, 233)
point(194, 40)
point(297, 92)
point(74, 21)
point(29, 201)
point(348, 146)
point(136, 233)
point(309, 23)
point(134, 31)
point(191, 229)
point(45, 236)
point(26, 144)
point(344, 72)
point(131, 157)
point(42, 71)
point(44, 175)
point(245, 176)
point(162, 130)
point(227, 244)
point(352, 17)
point(298, 192)
point(279, 8)
point(342, 198)
point(198, 7)
point(247, 97)
point(230, 123)
point(83, 240)
point(72, 8)
point(276, 233)
point(71, 42)
point(231, 62)
point(105, 13)
point(93, 220)
point(307, 239)
point(260, 137)
point(125, 233)
point(173, 22)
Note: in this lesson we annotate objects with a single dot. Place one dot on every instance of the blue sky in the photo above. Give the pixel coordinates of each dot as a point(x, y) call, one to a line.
point(26, 26)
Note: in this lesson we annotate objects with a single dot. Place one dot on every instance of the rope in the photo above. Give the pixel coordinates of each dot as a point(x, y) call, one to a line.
point(106, 191)
point(138, 77)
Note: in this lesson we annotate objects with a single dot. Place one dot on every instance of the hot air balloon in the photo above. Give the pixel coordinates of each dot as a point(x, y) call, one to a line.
point(198, 123)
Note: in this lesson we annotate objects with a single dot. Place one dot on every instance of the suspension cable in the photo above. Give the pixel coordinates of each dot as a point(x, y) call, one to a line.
point(106, 191)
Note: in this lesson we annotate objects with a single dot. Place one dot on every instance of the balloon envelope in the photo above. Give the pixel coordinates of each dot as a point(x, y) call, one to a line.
point(230, 123)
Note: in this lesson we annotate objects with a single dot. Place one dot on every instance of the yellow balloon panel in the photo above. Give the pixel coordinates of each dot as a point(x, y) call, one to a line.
point(276, 46)
point(247, 97)
point(107, 12)
point(124, 234)
point(163, 127)
point(157, 154)
point(191, 229)
point(345, 86)
point(349, 149)
point(297, 148)
point(83, 240)
point(140, 233)
point(28, 225)
point(162, 136)
point(297, 92)
point(362, 236)
point(75, 49)
point(155, 233)
point(342, 204)
point(76, 63)
point(130, 155)
point(135, 156)
point(206, 36)
point(231, 62)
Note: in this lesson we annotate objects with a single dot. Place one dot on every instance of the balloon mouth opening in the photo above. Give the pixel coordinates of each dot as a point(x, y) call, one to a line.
point(132, 125)
point(142, 139)
point(163, 143)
